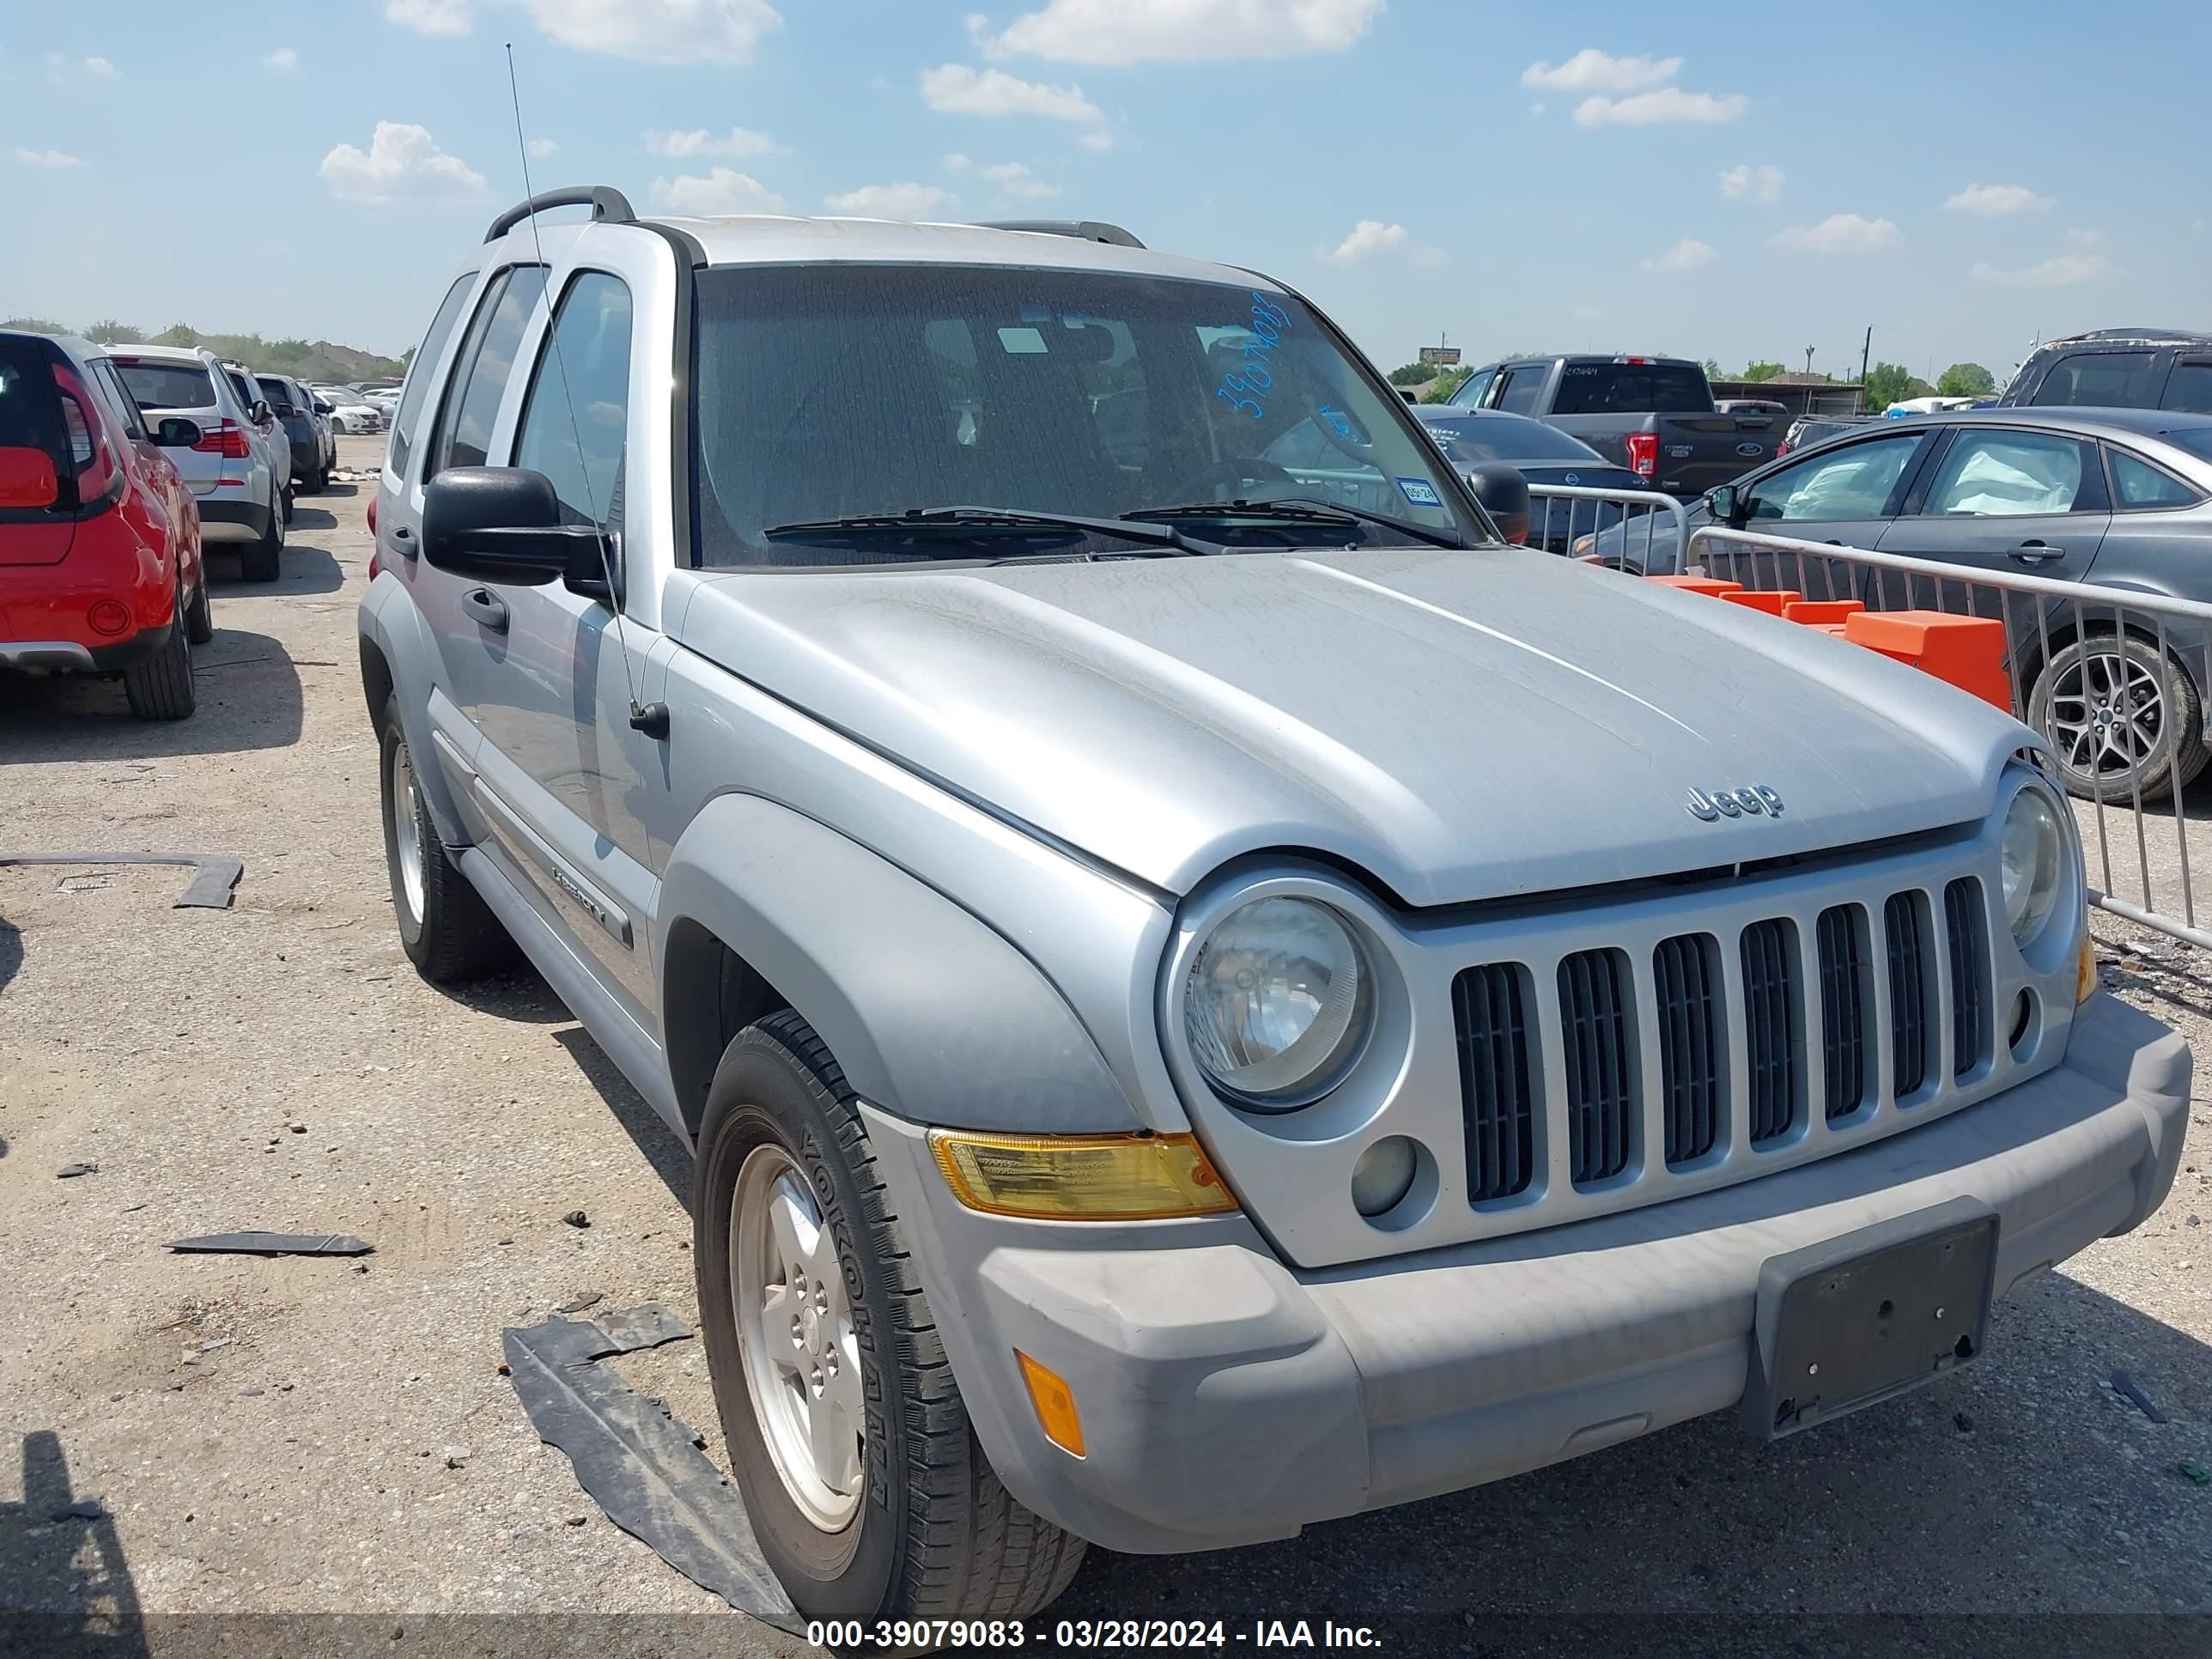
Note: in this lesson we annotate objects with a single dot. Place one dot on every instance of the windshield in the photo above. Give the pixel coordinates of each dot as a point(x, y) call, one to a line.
point(1471, 440)
point(2197, 440)
point(829, 391)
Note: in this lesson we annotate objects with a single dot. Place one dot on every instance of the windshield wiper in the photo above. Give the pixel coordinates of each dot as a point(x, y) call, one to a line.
point(981, 523)
point(1293, 510)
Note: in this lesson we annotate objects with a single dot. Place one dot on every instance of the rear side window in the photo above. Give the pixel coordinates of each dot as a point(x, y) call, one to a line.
point(2137, 484)
point(576, 421)
point(1522, 387)
point(2189, 388)
point(273, 389)
point(2004, 474)
point(1631, 389)
point(167, 386)
point(425, 366)
point(1469, 395)
point(2090, 379)
point(486, 364)
point(248, 393)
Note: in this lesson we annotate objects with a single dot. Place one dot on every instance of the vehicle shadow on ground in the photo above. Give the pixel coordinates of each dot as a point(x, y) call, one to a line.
point(249, 698)
point(2018, 1485)
point(669, 1158)
point(65, 1586)
point(11, 963)
point(305, 569)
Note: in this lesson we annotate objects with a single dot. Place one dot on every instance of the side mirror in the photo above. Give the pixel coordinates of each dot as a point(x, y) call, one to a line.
point(502, 524)
point(321, 408)
point(27, 477)
point(283, 409)
point(260, 413)
point(1504, 493)
point(175, 432)
point(1721, 503)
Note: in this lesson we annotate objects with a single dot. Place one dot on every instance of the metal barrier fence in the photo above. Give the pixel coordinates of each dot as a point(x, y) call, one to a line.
point(2116, 681)
point(1556, 518)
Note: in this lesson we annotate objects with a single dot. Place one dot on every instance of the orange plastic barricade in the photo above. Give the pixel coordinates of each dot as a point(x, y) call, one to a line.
point(1709, 584)
point(1968, 652)
point(1823, 613)
point(1774, 605)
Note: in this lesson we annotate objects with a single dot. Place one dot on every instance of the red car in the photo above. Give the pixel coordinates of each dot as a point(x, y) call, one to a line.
point(100, 540)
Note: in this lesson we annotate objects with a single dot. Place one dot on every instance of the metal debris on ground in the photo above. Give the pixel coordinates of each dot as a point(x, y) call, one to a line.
point(250, 1243)
point(85, 1508)
point(2131, 1391)
point(70, 1171)
point(214, 874)
point(2196, 1472)
point(643, 1468)
point(577, 1219)
point(577, 1304)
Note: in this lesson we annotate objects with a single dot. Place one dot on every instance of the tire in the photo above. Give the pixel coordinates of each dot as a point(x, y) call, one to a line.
point(261, 561)
point(930, 1531)
point(2114, 722)
point(317, 481)
point(159, 687)
point(287, 503)
point(199, 615)
point(446, 927)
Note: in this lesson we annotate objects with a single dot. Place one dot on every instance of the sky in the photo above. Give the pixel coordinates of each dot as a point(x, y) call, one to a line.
point(1723, 182)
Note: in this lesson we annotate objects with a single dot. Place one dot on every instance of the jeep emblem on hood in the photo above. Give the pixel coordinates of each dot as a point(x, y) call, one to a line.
point(1734, 803)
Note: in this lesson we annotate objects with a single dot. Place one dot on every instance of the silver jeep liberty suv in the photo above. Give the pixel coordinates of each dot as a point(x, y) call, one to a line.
point(1208, 993)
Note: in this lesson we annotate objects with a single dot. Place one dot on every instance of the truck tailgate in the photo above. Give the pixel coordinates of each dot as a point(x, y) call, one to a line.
point(1696, 452)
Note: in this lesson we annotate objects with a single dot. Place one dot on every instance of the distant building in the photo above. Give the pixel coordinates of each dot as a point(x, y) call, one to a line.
point(1802, 394)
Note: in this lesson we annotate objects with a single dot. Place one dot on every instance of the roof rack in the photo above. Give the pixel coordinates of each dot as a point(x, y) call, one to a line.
point(1089, 230)
point(606, 202)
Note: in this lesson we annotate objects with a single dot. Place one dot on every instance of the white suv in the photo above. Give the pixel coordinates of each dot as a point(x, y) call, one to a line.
point(234, 477)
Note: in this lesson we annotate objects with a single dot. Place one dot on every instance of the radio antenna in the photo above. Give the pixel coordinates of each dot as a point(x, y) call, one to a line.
point(652, 718)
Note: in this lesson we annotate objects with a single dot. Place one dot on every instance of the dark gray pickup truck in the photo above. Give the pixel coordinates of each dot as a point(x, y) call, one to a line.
point(1654, 416)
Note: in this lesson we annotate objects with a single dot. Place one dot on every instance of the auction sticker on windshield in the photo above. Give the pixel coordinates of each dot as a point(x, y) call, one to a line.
point(1420, 492)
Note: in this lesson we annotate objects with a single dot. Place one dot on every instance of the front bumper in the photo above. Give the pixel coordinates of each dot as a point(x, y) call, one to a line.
point(1227, 1399)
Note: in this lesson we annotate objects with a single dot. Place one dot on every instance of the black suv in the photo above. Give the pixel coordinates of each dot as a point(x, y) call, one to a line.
point(295, 406)
point(2118, 368)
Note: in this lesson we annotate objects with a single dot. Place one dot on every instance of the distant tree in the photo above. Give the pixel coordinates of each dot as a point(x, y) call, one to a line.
point(407, 358)
point(1761, 371)
point(1404, 374)
point(288, 351)
point(1443, 385)
point(34, 325)
point(1712, 368)
point(109, 331)
point(1893, 383)
point(177, 334)
point(1965, 380)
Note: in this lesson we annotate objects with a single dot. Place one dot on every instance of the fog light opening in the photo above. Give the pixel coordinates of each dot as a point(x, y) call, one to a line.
point(1394, 1183)
point(2025, 1027)
point(108, 617)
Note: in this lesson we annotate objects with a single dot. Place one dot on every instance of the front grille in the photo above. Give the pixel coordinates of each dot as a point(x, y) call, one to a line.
point(1594, 1013)
point(1843, 1010)
point(1772, 1029)
point(1687, 973)
point(1495, 1085)
point(1967, 930)
point(1908, 995)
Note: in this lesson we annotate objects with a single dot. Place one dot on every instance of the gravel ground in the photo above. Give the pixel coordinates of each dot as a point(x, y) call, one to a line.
point(317, 1436)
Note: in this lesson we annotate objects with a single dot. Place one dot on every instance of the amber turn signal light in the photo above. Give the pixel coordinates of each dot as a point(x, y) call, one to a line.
point(1055, 1405)
point(1080, 1177)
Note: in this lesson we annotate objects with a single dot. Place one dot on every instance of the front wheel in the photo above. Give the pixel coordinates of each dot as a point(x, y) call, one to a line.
point(447, 929)
point(869, 1494)
point(2119, 717)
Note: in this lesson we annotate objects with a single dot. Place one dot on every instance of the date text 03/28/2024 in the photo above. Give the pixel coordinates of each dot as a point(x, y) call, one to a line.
point(1089, 1633)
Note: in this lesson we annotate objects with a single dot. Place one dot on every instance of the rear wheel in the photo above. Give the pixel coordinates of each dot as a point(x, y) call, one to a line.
point(159, 687)
point(868, 1492)
point(260, 560)
point(447, 929)
point(199, 615)
point(2119, 717)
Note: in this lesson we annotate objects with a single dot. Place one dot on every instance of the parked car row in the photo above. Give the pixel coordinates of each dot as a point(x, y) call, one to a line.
point(240, 468)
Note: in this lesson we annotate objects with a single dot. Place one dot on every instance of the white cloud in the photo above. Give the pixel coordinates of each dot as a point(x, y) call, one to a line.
point(1686, 255)
point(1368, 237)
point(429, 16)
point(671, 32)
point(1995, 201)
point(738, 143)
point(720, 191)
point(1536, 111)
point(957, 162)
point(1592, 70)
point(956, 90)
point(1665, 104)
point(282, 61)
point(1752, 184)
point(101, 69)
point(46, 158)
point(1178, 31)
point(2062, 271)
point(539, 149)
point(1842, 232)
point(2086, 238)
point(1015, 180)
point(403, 163)
point(1099, 138)
point(902, 200)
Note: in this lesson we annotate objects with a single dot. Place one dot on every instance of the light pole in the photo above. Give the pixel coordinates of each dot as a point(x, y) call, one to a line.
point(1808, 359)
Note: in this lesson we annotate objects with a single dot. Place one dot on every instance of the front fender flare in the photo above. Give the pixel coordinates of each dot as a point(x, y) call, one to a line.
point(388, 620)
point(933, 1015)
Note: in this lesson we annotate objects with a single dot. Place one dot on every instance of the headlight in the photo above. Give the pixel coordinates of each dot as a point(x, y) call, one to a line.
point(1281, 998)
point(2031, 857)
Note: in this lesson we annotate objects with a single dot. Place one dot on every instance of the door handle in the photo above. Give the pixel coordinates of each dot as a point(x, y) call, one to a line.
point(2036, 553)
point(402, 541)
point(487, 607)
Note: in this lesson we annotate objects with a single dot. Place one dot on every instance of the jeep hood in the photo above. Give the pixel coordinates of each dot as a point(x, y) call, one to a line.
point(1463, 726)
